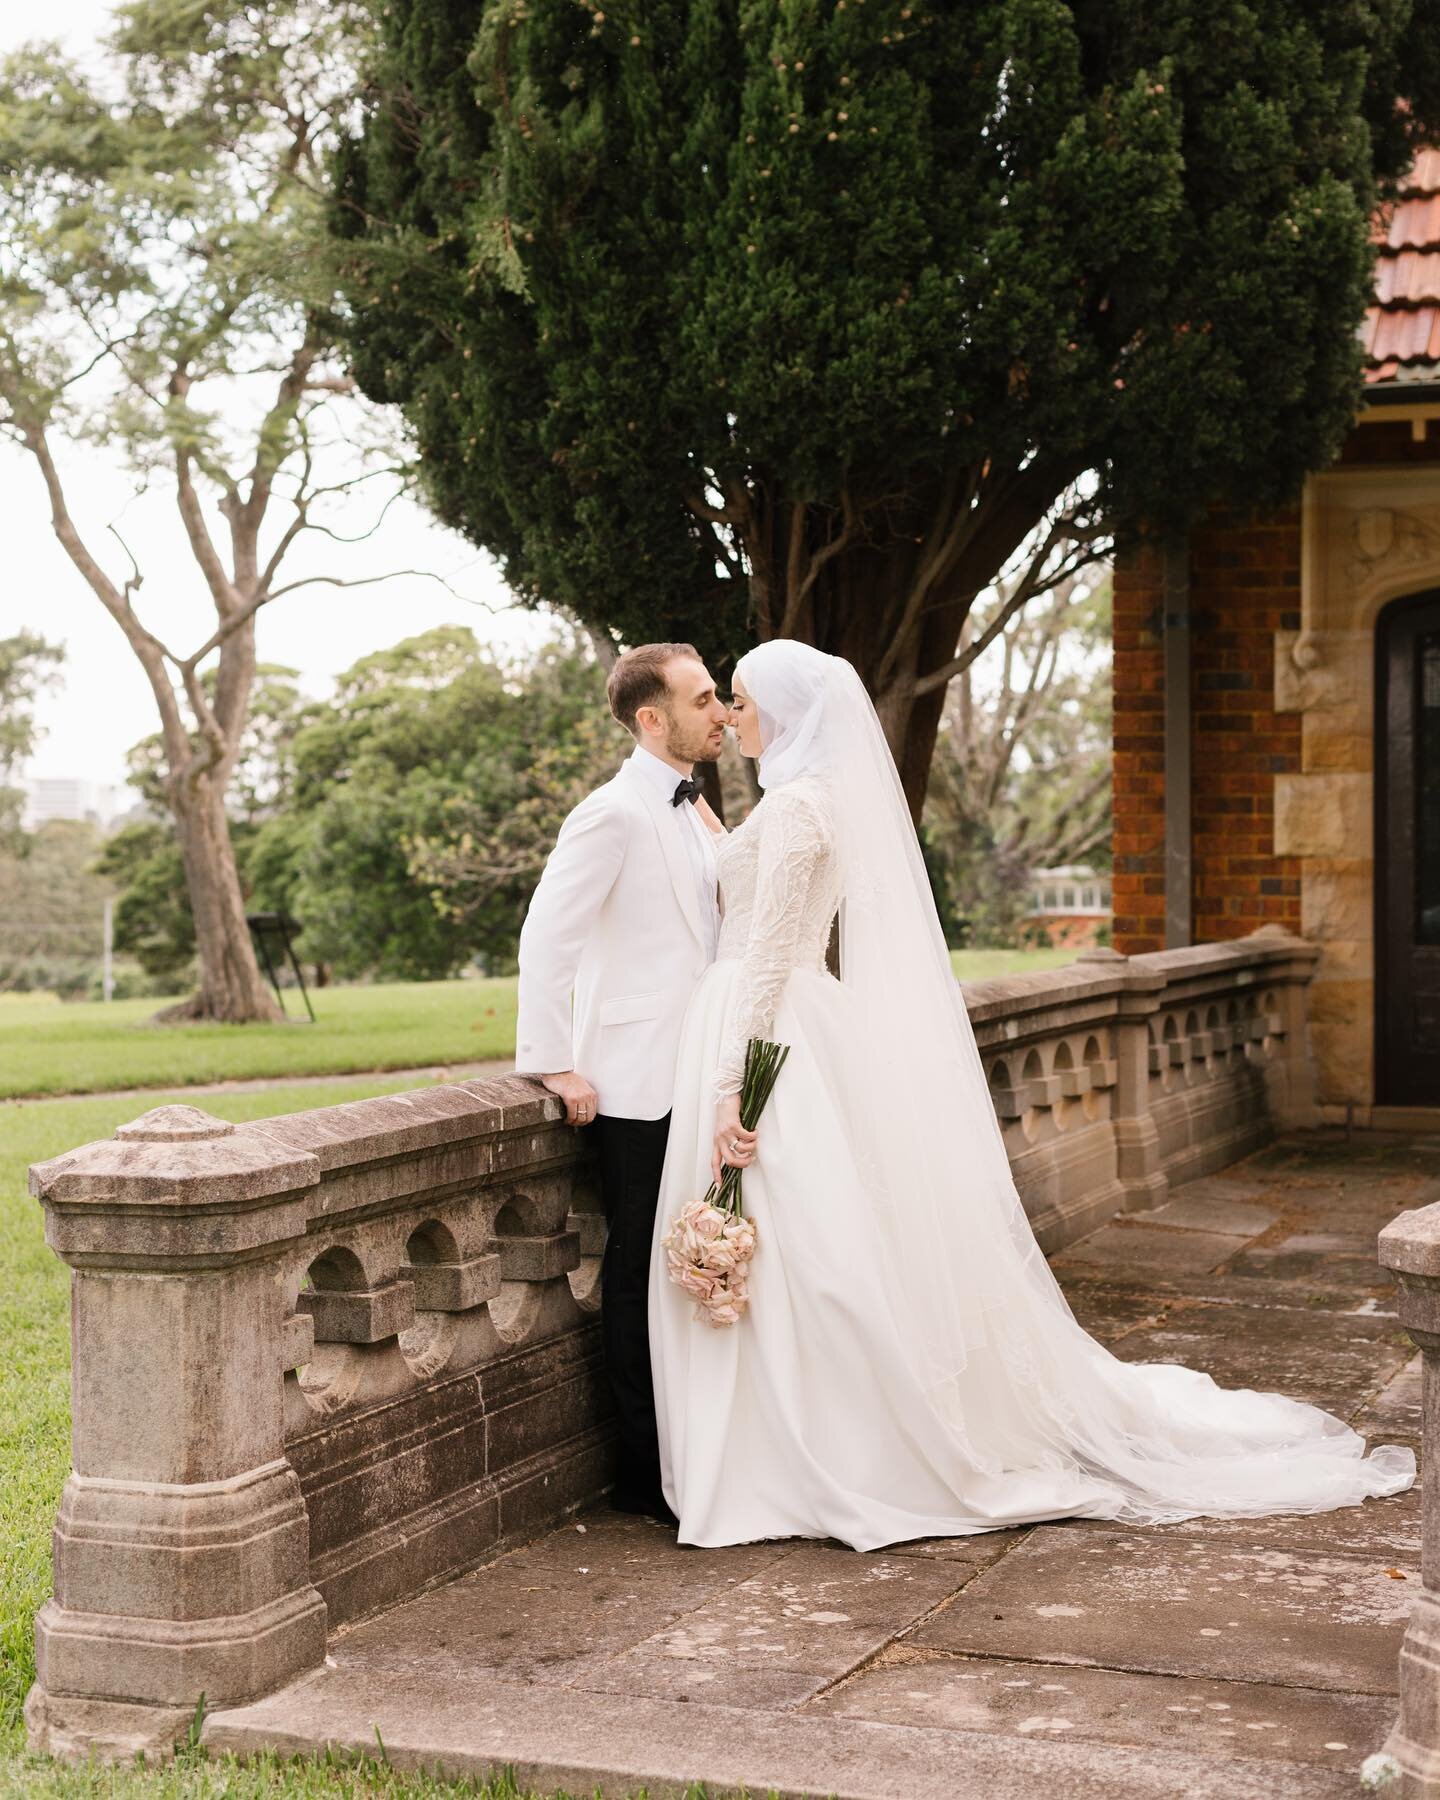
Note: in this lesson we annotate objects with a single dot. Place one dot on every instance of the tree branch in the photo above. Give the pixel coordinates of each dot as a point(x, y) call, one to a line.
point(358, 581)
point(148, 649)
point(717, 515)
point(1028, 589)
point(269, 445)
point(950, 527)
point(202, 545)
point(843, 538)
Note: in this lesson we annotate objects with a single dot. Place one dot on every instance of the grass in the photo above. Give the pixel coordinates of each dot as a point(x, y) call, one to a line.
point(980, 965)
point(47, 1047)
point(194, 1776)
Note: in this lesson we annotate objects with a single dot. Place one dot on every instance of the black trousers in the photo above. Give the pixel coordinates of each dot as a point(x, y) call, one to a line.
point(632, 1154)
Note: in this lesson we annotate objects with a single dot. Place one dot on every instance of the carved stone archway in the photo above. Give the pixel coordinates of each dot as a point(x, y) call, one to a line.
point(1369, 535)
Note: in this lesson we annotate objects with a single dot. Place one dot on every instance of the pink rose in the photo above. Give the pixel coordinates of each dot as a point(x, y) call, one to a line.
point(697, 1282)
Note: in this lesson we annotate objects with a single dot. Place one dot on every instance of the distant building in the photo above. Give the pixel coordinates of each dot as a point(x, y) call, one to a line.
point(100, 803)
point(1069, 903)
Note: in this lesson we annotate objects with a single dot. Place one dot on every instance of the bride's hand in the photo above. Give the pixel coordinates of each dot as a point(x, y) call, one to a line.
point(733, 1145)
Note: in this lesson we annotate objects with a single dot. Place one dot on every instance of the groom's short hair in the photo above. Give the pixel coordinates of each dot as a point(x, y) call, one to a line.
point(638, 679)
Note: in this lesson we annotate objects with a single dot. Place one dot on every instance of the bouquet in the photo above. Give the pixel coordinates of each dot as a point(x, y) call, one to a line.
point(709, 1242)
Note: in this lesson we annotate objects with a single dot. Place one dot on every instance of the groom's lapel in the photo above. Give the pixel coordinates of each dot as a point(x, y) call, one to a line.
point(681, 876)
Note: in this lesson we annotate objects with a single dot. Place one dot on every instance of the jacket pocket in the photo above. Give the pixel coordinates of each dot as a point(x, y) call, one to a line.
point(627, 1009)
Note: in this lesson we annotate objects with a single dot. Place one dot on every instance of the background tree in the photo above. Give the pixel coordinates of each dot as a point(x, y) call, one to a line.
point(1021, 777)
point(422, 803)
point(742, 317)
point(27, 665)
point(403, 823)
point(163, 292)
point(154, 922)
point(52, 901)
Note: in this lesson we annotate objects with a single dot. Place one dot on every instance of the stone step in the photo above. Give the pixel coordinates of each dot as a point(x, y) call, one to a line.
point(586, 1743)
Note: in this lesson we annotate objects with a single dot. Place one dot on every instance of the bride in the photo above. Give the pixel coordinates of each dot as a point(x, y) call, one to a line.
point(908, 1366)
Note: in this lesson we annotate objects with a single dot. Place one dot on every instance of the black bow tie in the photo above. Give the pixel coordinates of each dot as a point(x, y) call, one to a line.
point(688, 789)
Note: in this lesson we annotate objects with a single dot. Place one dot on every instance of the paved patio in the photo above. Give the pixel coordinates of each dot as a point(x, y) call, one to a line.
point(1244, 1658)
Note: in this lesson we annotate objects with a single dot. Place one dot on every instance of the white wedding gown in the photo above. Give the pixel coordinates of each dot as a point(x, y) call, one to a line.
point(810, 1417)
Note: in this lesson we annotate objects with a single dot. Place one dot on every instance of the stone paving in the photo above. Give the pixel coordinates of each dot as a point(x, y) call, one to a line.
point(1237, 1658)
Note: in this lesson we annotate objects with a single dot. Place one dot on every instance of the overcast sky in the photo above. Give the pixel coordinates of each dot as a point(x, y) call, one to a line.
point(104, 704)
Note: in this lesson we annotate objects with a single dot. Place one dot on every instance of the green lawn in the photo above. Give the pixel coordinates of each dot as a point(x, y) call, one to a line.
point(47, 1047)
point(35, 1459)
point(193, 1776)
point(980, 965)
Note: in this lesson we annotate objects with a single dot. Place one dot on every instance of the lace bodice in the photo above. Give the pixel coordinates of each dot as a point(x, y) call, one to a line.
point(780, 879)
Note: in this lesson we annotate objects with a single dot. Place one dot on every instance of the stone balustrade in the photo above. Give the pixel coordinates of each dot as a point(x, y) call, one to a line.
point(324, 1361)
point(1410, 1246)
point(1116, 1077)
point(319, 1363)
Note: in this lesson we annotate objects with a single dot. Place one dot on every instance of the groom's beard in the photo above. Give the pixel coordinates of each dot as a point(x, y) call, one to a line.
point(699, 748)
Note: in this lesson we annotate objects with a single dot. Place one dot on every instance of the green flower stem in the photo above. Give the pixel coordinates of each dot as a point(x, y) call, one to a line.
point(763, 1063)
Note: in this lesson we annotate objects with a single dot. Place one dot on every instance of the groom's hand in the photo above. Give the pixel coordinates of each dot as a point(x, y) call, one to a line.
point(576, 1092)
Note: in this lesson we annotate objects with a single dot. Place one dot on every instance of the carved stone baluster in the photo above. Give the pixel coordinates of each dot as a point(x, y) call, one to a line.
point(1290, 1073)
point(181, 1550)
point(1410, 1245)
point(1138, 1158)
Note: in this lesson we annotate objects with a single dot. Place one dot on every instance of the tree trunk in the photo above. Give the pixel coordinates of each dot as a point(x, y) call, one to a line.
point(231, 989)
point(855, 615)
point(888, 585)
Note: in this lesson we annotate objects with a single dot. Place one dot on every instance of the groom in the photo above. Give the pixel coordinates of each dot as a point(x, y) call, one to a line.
point(625, 917)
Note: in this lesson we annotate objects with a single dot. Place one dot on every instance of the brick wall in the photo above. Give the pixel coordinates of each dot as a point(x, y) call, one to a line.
point(1244, 586)
point(1138, 840)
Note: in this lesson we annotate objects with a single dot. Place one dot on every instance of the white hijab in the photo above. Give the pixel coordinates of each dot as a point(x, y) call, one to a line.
point(789, 683)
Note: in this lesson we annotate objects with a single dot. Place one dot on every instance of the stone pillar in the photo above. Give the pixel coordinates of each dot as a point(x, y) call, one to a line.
point(182, 1545)
point(1139, 1163)
point(1410, 1245)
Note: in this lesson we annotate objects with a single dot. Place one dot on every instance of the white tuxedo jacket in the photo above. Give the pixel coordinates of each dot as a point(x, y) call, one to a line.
point(615, 920)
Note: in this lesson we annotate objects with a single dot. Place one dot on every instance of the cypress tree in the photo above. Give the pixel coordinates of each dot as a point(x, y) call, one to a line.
point(727, 319)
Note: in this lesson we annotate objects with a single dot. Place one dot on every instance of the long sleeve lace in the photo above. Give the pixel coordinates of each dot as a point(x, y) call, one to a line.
point(794, 845)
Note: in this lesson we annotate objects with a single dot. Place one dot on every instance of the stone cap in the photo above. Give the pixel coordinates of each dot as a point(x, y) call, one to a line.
point(362, 1131)
point(1088, 987)
point(1264, 946)
point(1411, 1244)
point(172, 1188)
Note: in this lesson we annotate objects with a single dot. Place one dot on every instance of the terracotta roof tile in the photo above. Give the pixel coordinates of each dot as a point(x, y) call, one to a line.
point(1412, 222)
point(1404, 333)
point(1401, 333)
point(1424, 176)
point(1412, 277)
